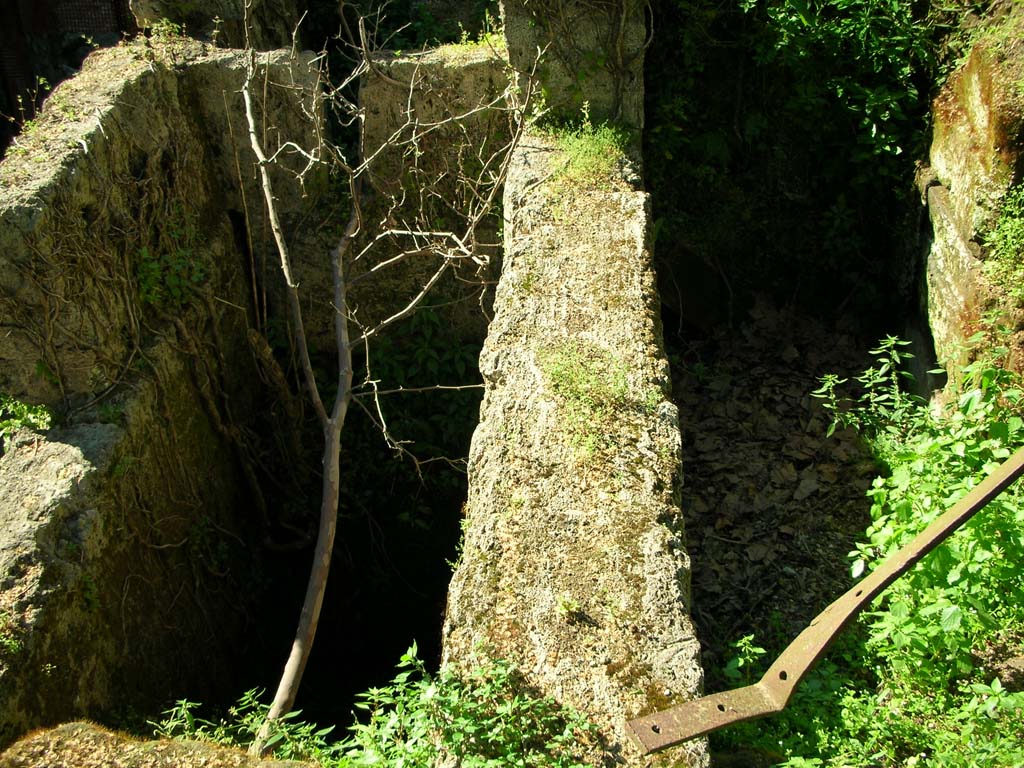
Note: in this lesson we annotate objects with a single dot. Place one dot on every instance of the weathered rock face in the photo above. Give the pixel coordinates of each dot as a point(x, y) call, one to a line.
point(272, 23)
point(436, 130)
point(574, 562)
point(594, 55)
point(109, 197)
point(128, 536)
point(85, 745)
point(976, 155)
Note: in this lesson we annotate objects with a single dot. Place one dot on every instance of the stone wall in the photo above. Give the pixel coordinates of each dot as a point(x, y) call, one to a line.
point(130, 533)
point(976, 155)
point(593, 55)
point(434, 122)
point(574, 561)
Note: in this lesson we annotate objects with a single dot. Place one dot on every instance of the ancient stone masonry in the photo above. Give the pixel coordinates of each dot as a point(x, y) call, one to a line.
point(434, 123)
point(127, 533)
point(574, 562)
point(593, 54)
point(131, 285)
point(975, 157)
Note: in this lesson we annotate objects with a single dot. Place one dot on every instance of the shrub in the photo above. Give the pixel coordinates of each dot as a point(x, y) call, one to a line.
point(909, 689)
point(487, 718)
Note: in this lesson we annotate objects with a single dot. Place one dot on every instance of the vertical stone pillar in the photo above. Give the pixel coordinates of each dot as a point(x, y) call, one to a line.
point(593, 53)
point(574, 563)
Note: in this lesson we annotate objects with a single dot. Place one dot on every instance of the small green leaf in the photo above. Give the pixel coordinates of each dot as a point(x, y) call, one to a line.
point(951, 618)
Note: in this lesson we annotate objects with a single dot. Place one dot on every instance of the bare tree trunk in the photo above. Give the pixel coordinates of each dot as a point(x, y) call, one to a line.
point(284, 698)
point(288, 687)
point(422, 239)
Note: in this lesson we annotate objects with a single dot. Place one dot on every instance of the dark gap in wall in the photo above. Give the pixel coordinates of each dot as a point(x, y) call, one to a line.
point(399, 526)
point(779, 259)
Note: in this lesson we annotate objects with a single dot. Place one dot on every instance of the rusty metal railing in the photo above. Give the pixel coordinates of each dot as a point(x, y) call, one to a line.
point(771, 694)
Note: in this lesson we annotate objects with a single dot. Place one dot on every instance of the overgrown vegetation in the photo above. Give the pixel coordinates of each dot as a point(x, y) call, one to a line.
point(591, 385)
point(1005, 244)
point(10, 636)
point(170, 272)
point(781, 138)
point(15, 415)
point(918, 682)
point(485, 719)
point(592, 153)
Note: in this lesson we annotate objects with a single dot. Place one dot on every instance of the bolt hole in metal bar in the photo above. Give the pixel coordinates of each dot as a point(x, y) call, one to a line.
point(771, 694)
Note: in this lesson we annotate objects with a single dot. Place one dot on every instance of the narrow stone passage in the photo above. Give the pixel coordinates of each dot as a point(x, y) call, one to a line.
point(772, 506)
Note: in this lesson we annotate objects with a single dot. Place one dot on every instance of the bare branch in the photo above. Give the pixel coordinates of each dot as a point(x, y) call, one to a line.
point(432, 388)
point(299, 332)
point(408, 308)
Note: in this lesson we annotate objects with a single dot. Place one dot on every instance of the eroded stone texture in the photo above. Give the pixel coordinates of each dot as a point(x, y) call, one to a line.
point(85, 745)
point(141, 153)
point(129, 537)
point(593, 55)
point(574, 563)
point(975, 157)
point(127, 554)
point(436, 133)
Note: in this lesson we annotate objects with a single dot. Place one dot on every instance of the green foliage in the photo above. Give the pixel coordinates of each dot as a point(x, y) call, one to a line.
point(909, 690)
point(883, 407)
point(742, 668)
point(1004, 263)
point(780, 143)
point(593, 153)
point(290, 738)
point(169, 274)
point(591, 385)
point(15, 415)
point(973, 584)
point(10, 642)
point(165, 29)
point(863, 54)
point(485, 719)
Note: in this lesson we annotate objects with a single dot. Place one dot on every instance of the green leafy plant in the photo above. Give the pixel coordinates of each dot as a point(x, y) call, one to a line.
point(1005, 244)
point(169, 273)
point(10, 642)
point(15, 415)
point(290, 739)
point(883, 407)
point(26, 105)
point(742, 669)
point(825, 104)
point(908, 688)
point(487, 718)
